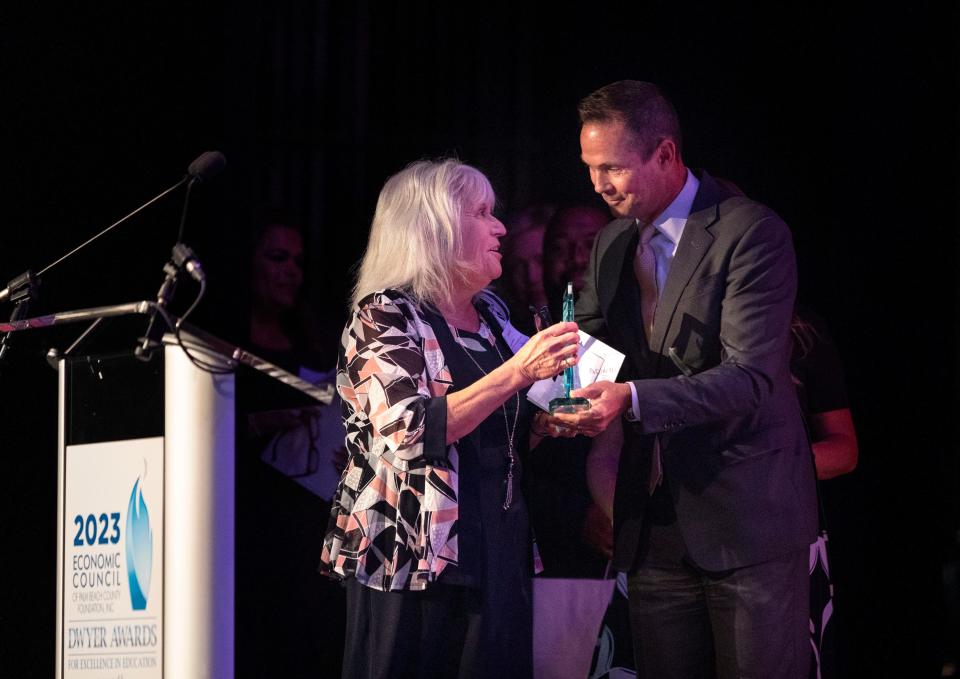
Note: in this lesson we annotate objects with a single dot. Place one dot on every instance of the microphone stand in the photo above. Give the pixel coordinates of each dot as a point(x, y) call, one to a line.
point(54, 356)
point(155, 329)
point(22, 290)
point(181, 258)
point(7, 292)
point(206, 165)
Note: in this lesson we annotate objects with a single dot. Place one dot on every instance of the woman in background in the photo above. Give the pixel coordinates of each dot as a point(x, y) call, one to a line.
point(290, 463)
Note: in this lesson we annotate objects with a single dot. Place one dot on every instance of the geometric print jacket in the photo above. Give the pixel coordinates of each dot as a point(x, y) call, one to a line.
point(393, 523)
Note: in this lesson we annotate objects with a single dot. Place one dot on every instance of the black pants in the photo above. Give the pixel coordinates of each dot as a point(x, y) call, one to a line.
point(439, 632)
point(748, 622)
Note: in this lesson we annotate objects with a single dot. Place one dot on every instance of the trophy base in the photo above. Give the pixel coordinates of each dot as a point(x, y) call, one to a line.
point(569, 405)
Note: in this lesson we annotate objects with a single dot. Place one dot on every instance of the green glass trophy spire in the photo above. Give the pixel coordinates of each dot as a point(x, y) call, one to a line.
point(568, 404)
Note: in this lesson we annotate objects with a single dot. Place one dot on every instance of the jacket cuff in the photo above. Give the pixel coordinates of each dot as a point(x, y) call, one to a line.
point(435, 430)
point(633, 412)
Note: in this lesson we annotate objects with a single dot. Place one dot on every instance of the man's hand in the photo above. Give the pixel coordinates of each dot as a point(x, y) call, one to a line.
point(608, 401)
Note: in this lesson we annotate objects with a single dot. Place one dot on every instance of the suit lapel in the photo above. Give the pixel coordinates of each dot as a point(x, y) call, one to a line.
point(620, 296)
point(693, 246)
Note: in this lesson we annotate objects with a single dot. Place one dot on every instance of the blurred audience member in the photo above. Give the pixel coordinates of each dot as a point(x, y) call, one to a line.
point(567, 242)
point(817, 372)
point(818, 375)
point(282, 507)
point(285, 332)
point(282, 329)
point(573, 534)
point(614, 654)
point(521, 285)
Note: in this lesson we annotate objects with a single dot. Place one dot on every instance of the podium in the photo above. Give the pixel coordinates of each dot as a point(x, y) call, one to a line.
point(146, 503)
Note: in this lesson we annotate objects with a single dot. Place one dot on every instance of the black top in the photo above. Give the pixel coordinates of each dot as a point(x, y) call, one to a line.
point(493, 543)
point(815, 366)
point(558, 498)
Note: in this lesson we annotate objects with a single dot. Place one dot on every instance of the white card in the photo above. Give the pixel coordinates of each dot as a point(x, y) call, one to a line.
point(598, 362)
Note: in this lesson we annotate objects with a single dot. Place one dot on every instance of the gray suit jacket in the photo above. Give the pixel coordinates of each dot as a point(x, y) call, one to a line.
point(734, 447)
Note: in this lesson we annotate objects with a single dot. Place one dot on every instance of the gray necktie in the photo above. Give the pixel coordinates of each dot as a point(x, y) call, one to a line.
point(645, 269)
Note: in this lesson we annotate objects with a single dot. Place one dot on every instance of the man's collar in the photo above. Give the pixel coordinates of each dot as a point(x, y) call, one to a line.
point(671, 221)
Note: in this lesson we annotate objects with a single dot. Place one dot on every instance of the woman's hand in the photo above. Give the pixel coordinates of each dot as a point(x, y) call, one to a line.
point(547, 353)
point(546, 426)
point(542, 356)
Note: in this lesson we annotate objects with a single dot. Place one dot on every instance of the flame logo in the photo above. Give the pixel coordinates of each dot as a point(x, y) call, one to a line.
point(139, 548)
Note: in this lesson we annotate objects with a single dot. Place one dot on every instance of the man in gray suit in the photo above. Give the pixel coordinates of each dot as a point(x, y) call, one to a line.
point(715, 501)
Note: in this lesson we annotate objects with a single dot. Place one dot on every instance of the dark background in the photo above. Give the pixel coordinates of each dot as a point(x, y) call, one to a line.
point(843, 120)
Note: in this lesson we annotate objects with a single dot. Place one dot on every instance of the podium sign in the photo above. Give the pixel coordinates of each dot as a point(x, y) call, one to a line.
point(146, 503)
point(145, 556)
point(113, 560)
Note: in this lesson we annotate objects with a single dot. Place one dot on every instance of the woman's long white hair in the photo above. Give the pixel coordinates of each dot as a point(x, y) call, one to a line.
point(415, 239)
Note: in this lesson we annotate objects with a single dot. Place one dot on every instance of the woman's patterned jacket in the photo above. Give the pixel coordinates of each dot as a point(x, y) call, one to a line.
point(393, 523)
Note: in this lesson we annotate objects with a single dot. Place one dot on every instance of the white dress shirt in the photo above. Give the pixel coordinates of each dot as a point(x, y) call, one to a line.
point(669, 225)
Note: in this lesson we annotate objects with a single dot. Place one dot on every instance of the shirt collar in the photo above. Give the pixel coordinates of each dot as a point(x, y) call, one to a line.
point(671, 221)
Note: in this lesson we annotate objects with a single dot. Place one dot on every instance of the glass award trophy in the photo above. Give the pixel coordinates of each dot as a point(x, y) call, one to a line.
point(567, 403)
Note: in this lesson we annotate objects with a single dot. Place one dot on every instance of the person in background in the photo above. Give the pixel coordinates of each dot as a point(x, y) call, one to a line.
point(817, 372)
point(521, 285)
point(567, 242)
point(291, 456)
point(429, 526)
point(573, 536)
point(818, 375)
point(282, 329)
point(304, 443)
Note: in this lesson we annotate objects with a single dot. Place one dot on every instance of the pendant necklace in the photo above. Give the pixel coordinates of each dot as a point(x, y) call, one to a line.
point(511, 457)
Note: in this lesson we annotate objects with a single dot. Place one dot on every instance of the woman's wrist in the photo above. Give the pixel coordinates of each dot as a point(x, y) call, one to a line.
point(516, 380)
point(538, 427)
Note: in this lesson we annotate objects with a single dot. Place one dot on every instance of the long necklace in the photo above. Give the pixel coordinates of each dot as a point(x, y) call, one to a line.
point(511, 457)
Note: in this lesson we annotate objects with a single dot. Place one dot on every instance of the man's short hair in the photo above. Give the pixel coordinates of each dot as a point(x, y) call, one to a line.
point(641, 106)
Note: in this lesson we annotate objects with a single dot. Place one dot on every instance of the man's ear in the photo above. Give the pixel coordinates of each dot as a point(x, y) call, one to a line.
point(666, 153)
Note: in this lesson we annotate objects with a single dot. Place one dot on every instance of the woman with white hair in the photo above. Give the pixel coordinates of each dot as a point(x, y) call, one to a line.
point(428, 525)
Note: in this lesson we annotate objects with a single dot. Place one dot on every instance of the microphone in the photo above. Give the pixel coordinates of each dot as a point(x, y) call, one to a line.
point(206, 166)
point(24, 285)
point(184, 258)
point(181, 258)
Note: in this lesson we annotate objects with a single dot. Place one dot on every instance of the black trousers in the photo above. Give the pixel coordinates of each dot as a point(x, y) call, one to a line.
point(688, 623)
point(439, 632)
